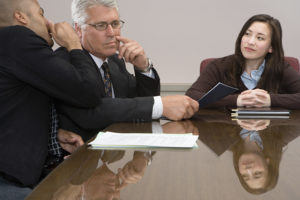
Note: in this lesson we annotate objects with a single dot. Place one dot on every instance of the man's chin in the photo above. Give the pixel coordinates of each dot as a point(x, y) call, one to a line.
point(111, 52)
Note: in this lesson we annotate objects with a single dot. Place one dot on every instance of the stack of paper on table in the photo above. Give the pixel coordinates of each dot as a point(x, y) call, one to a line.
point(111, 140)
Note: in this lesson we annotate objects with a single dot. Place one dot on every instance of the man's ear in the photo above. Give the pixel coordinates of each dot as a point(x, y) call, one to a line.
point(78, 30)
point(21, 18)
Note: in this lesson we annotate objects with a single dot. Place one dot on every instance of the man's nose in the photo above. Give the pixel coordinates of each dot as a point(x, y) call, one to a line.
point(110, 31)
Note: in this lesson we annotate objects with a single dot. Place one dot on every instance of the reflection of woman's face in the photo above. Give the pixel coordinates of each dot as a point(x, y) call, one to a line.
point(254, 170)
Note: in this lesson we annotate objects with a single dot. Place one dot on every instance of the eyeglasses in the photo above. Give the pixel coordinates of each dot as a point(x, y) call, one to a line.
point(102, 26)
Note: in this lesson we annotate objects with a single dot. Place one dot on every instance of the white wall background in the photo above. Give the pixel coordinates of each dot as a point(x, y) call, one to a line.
point(177, 35)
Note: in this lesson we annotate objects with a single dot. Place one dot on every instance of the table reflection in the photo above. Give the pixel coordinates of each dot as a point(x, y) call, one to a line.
point(257, 145)
point(95, 180)
point(255, 152)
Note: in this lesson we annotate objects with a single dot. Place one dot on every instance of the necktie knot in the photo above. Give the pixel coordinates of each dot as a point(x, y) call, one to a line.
point(105, 67)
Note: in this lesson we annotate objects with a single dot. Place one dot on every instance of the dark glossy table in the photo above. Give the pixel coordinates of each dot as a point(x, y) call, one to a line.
point(262, 163)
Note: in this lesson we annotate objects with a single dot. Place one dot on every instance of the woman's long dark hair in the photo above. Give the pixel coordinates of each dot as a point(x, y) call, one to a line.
point(272, 75)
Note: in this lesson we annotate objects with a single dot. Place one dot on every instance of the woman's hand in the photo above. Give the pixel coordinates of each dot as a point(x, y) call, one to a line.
point(257, 98)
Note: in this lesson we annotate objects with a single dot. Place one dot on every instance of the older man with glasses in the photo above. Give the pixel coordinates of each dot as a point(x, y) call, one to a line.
point(126, 98)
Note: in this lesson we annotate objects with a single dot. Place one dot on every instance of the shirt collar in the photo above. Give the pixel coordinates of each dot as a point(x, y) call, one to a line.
point(253, 136)
point(260, 69)
point(98, 61)
point(255, 74)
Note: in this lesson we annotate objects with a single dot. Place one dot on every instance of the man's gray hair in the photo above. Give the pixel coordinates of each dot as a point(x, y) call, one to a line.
point(79, 8)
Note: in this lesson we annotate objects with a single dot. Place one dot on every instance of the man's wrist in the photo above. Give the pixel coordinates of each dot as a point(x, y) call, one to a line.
point(157, 109)
point(148, 68)
point(73, 46)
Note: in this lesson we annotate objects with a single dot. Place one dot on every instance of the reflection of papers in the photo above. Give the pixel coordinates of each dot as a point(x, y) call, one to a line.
point(143, 140)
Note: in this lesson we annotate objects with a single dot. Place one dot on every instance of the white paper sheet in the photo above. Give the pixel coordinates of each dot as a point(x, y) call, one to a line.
point(144, 140)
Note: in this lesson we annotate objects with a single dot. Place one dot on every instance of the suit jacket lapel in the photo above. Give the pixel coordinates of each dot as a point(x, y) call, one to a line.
point(119, 81)
point(98, 74)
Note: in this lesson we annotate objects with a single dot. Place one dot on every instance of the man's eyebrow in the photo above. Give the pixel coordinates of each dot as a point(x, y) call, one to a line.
point(100, 22)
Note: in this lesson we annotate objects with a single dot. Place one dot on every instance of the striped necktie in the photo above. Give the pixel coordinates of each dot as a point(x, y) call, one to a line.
point(107, 80)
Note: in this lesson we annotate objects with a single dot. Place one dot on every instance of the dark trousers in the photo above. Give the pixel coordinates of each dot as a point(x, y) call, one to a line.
point(12, 191)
